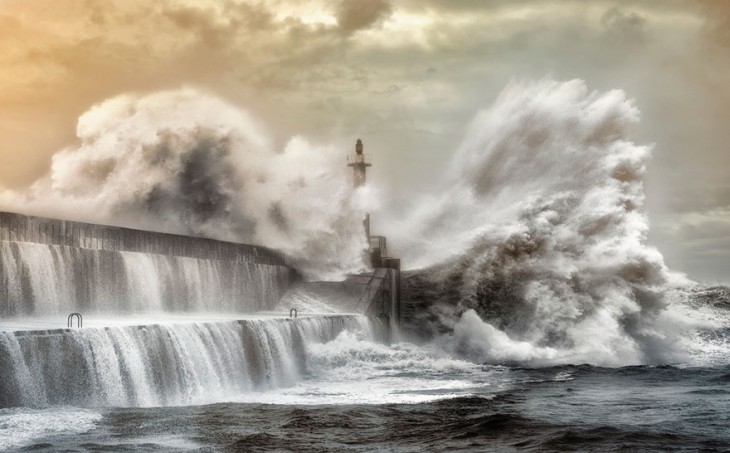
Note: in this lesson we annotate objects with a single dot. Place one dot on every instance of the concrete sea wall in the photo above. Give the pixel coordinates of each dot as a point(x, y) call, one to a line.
point(39, 230)
point(50, 266)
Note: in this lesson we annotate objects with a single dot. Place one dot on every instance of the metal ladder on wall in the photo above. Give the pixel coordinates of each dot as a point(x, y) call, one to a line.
point(79, 320)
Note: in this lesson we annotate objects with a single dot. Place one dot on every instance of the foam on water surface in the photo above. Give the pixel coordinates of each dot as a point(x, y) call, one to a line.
point(173, 363)
point(22, 425)
point(353, 369)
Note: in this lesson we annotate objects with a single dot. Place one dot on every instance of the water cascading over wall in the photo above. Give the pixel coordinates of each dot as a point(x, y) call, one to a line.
point(50, 266)
point(160, 365)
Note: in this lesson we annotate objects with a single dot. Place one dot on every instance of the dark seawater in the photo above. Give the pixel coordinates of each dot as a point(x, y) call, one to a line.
point(567, 408)
point(350, 392)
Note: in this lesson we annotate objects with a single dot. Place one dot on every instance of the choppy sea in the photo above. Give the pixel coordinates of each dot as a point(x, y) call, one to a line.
point(363, 396)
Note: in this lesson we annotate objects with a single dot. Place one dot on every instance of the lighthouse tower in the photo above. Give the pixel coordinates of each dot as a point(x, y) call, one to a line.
point(386, 299)
point(359, 167)
point(358, 164)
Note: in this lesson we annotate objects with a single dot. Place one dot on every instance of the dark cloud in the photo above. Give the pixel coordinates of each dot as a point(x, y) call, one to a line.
point(9, 27)
point(407, 91)
point(354, 15)
point(619, 22)
point(221, 29)
point(97, 12)
point(201, 23)
point(717, 20)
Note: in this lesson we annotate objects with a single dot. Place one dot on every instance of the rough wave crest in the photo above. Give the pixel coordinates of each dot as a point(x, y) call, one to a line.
point(544, 235)
point(187, 162)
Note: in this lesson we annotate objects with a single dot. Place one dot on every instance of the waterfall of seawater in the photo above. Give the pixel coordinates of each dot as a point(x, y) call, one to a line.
point(41, 279)
point(159, 365)
point(165, 319)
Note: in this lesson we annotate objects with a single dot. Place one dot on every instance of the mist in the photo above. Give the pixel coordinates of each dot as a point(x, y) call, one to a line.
point(187, 162)
point(536, 230)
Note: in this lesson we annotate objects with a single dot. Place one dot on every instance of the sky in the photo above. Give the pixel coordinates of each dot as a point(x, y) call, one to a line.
point(405, 76)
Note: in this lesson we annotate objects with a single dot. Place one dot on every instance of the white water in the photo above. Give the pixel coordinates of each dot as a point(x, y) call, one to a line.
point(162, 364)
point(317, 361)
point(41, 280)
point(353, 369)
point(21, 426)
point(537, 239)
point(537, 233)
point(187, 162)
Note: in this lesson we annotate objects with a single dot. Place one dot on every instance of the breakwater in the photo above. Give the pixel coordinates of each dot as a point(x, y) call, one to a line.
point(160, 364)
point(50, 266)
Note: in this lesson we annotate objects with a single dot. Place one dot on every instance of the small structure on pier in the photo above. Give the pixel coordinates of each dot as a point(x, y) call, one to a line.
point(383, 290)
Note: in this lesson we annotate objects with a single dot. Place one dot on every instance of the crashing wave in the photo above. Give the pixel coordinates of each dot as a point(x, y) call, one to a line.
point(537, 248)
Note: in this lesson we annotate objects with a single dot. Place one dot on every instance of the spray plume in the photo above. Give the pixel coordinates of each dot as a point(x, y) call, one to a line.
point(536, 244)
point(538, 241)
point(187, 162)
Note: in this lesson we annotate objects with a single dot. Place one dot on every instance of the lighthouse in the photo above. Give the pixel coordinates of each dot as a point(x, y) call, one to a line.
point(359, 167)
point(386, 275)
point(359, 164)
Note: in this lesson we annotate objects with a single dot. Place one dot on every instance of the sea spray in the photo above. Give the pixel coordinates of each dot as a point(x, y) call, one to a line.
point(538, 243)
point(188, 162)
point(176, 363)
point(538, 225)
point(48, 279)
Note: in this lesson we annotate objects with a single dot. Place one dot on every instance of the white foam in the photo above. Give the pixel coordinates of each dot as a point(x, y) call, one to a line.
point(22, 426)
point(187, 162)
point(539, 233)
point(172, 363)
point(355, 370)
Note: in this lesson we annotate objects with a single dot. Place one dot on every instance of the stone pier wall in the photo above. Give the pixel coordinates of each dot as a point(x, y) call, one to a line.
point(50, 266)
point(39, 230)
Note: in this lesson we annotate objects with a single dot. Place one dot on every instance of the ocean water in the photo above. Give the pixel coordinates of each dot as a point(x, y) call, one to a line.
point(357, 394)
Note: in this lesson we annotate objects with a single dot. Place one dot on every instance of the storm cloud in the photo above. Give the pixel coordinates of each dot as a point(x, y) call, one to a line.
point(405, 75)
